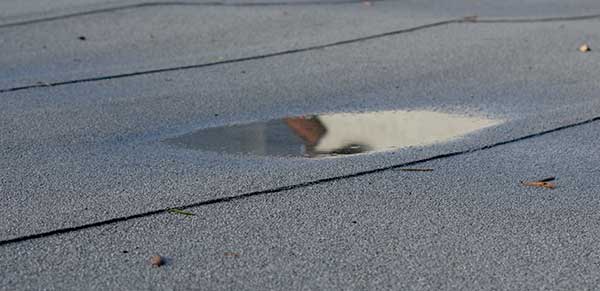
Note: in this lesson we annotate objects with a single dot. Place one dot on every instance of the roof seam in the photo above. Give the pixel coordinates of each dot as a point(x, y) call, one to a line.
point(288, 187)
point(469, 19)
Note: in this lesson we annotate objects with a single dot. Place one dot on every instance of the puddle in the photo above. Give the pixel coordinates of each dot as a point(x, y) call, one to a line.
point(334, 134)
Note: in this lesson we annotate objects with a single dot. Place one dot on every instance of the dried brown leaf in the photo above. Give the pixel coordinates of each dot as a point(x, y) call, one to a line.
point(541, 184)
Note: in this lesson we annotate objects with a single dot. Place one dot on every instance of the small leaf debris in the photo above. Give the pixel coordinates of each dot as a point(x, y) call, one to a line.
point(232, 254)
point(584, 48)
point(543, 183)
point(416, 170)
point(471, 18)
point(179, 211)
point(157, 261)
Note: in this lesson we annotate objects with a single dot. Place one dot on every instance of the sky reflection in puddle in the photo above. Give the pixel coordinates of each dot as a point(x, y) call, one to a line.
point(335, 134)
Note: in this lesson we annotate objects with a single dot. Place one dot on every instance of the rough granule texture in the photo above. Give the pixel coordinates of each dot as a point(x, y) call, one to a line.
point(91, 151)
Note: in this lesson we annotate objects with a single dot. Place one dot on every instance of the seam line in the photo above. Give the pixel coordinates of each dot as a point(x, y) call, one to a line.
point(300, 50)
point(286, 188)
point(177, 3)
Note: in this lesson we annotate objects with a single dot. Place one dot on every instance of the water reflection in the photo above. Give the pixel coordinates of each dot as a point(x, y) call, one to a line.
point(334, 134)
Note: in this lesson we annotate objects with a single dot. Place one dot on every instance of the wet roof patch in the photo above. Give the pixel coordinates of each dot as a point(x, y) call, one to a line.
point(335, 134)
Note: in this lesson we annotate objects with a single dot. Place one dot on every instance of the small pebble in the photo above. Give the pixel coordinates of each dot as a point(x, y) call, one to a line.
point(156, 261)
point(232, 254)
